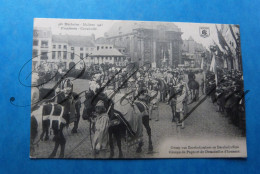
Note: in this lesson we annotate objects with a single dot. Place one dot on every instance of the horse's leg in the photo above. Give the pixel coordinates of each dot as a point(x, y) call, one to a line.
point(62, 144)
point(56, 140)
point(76, 123)
point(117, 134)
point(47, 126)
point(173, 112)
point(111, 144)
point(145, 120)
point(139, 148)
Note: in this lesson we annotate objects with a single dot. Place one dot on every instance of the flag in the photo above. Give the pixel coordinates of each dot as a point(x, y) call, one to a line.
point(213, 67)
point(202, 64)
point(213, 64)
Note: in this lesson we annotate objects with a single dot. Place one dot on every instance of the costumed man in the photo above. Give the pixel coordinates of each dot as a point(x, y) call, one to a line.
point(185, 101)
point(169, 81)
point(180, 106)
point(154, 94)
point(70, 101)
point(173, 94)
point(100, 140)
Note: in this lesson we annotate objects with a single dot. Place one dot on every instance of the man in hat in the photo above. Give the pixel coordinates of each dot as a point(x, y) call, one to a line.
point(70, 101)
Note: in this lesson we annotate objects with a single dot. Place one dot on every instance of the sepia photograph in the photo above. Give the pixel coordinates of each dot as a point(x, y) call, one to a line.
point(112, 89)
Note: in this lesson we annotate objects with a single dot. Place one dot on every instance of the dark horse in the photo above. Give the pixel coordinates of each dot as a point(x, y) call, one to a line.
point(50, 114)
point(62, 100)
point(118, 124)
point(193, 86)
point(55, 115)
point(163, 89)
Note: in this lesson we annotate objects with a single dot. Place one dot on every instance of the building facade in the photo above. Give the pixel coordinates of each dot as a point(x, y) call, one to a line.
point(232, 39)
point(192, 53)
point(148, 42)
point(52, 52)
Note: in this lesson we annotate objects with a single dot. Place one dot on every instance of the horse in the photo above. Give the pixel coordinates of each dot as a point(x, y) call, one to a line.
point(162, 88)
point(119, 118)
point(53, 110)
point(45, 116)
point(193, 86)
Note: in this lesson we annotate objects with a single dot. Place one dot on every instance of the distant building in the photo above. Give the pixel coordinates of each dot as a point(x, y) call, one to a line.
point(147, 42)
point(42, 41)
point(191, 53)
point(69, 51)
point(107, 54)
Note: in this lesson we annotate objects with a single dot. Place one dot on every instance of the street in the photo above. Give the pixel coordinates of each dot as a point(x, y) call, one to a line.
point(204, 122)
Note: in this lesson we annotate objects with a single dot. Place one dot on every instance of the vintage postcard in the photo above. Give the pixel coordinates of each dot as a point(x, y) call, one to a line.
point(136, 89)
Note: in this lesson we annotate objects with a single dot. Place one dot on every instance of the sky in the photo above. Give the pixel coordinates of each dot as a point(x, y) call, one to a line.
point(99, 27)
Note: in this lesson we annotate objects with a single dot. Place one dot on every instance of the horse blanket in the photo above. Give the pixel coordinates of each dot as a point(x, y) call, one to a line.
point(132, 114)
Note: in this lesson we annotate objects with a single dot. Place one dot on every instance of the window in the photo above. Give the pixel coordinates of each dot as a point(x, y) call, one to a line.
point(59, 54)
point(110, 47)
point(97, 48)
point(35, 34)
point(44, 44)
point(86, 55)
point(110, 58)
point(102, 47)
point(64, 55)
point(59, 46)
point(106, 47)
point(35, 53)
point(81, 55)
point(35, 42)
point(65, 47)
point(72, 55)
point(53, 46)
point(81, 49)
point(53, 54)
point(44, 55)
point(72, 48)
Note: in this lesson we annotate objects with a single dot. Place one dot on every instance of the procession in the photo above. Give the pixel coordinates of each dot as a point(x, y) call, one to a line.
point(106, 102)
point(101, 100)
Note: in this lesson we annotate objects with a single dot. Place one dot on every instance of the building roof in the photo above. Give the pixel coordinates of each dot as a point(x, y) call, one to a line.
point(121, 28)
point(106, 52)
point(78, 41)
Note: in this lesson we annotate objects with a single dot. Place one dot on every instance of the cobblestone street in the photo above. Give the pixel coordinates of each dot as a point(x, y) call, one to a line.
point(203, 122)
